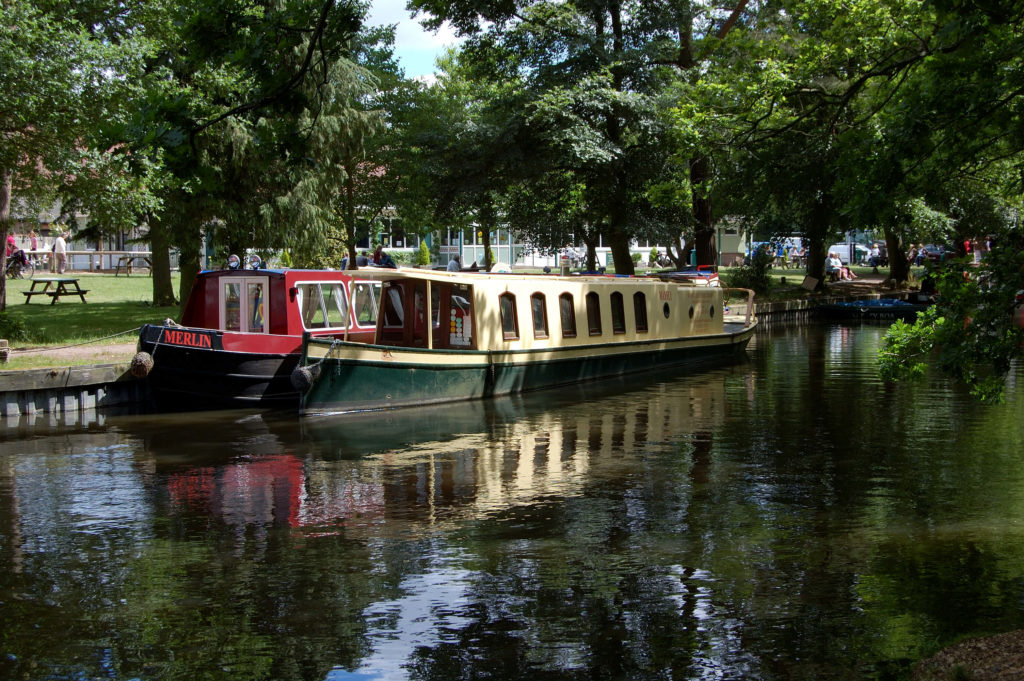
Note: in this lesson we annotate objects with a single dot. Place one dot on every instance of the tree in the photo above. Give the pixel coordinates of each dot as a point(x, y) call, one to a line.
point(584, 82)
point(61, 85)
point(233, 91)
point(970, 331)
point(351, 177)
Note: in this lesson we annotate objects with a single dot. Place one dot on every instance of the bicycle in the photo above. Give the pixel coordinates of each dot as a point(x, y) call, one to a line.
point(19, 264)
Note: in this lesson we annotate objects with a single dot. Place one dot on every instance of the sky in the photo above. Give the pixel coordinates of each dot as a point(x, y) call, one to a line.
point(415, 47)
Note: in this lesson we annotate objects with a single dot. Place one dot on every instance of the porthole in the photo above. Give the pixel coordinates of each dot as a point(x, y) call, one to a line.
point(711, 311)
point(691, 312)
point(664, 309)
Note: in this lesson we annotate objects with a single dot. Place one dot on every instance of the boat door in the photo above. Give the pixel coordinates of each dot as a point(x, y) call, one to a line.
point(243, 304)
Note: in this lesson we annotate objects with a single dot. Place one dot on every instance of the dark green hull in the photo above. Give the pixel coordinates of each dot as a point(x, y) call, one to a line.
point(345, 384)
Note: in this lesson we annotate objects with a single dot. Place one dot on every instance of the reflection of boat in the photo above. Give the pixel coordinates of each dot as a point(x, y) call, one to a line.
point(240, 335)
point(499, 334)
point(881, 308)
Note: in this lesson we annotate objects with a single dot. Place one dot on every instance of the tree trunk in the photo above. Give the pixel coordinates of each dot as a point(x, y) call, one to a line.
point(5, 227)
point(486, 222)
point(591, 242)
point(350, 221)
point(163, 289)
point(899, 268)
point(623, 259)
point(189, 264)
point(816, 234)
point(707, 251)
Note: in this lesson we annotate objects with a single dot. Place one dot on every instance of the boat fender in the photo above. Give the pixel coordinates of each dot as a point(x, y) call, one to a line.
point(303, 377)
point(142, 364)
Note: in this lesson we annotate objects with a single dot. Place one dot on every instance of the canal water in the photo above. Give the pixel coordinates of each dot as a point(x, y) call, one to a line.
point(788, 517)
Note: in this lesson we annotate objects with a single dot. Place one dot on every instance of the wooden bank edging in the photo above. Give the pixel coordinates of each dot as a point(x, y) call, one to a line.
point(803, 309)
point(63, 390)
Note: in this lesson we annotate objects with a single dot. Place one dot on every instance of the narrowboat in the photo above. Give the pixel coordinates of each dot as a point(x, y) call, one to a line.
point(241, 334)
point(495, 334)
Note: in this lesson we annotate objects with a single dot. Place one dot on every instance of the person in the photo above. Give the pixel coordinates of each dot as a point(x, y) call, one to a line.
point(912, 255)
point(875, 256)
point(12, 245)
point(832, 266)
point(60, 252)
point(363, 259)
point(378, 255)
point(454, 265)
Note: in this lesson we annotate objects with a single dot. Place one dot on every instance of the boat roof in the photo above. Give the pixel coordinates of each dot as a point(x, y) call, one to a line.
point(390, 274)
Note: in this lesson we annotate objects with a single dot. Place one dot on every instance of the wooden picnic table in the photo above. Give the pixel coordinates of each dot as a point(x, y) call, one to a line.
point(61, 286)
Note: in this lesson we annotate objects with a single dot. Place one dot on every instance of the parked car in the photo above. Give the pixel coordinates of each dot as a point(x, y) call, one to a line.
point(937, 253)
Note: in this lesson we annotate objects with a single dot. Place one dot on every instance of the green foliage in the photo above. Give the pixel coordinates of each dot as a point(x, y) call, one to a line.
point(423, 255)
point(653, 257)
point(755, 273)
point(12, 329)
point(969, 332)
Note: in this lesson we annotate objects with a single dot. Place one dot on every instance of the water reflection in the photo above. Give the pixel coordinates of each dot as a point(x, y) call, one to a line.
point(788, 518)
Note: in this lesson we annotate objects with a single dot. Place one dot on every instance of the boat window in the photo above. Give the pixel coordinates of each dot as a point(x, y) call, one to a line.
point(568, 314)
point(419, 307)
point(618, 314)
point(435, 305)
point(509, 323)
point(243, 304)
point(312, 307)
point(593, 314)
point(323, 305)
point(460, 330)
point(394, 308)
point(232, 306)
point(257, 296)
point(640, 311)
point(336, 304)
point(366, 297)
point(538, 305)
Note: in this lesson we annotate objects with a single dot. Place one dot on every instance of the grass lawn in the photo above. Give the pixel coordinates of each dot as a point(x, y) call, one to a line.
point(117, 307)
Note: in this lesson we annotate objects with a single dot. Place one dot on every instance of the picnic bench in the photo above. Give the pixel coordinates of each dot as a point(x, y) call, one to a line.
point(55, 287)
point(128, 263)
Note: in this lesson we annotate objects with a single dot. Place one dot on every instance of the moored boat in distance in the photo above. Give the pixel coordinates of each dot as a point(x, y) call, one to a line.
point(241, 335)
point(494, 334)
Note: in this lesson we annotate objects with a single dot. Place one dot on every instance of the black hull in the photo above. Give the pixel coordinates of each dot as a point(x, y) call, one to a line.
point(190, 379)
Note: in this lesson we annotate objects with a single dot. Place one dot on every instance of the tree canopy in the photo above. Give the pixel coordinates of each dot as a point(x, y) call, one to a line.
point(270, 125)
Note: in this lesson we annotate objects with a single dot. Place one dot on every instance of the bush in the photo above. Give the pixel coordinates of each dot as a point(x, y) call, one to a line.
point(12, 329)
point(754, 274)
point(423, 257)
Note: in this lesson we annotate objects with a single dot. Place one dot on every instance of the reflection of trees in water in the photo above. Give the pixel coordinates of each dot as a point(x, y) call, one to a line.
point(694, 529)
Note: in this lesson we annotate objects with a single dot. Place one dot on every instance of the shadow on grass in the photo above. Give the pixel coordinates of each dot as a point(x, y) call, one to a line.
point(68, 322)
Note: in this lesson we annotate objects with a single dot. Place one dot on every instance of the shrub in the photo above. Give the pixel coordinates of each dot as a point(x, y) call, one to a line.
point(754, 274)
point(12, 329)
point(423, 257)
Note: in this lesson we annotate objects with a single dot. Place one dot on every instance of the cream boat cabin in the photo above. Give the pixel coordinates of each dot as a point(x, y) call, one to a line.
point(492, 334)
